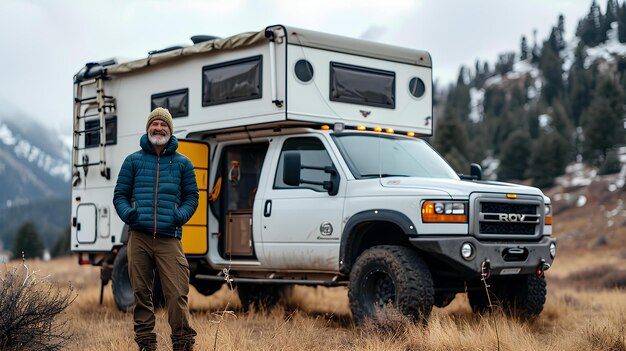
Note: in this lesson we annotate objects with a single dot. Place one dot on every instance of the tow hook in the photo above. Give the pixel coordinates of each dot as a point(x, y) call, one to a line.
point(486, 268)
point(542, 268)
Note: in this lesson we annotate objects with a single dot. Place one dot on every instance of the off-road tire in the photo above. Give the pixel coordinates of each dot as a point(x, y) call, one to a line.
point(206, 287)
point(526, 296)
point(123, 290)
point(262, 297)
point(444, 299)
point(478, 300)
point(390, 275)
point(522, 296)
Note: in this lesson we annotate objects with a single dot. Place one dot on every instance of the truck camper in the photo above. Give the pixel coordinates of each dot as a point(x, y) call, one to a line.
point(312, 170)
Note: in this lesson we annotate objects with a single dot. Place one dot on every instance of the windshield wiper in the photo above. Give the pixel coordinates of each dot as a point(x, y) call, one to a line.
point(382, 175)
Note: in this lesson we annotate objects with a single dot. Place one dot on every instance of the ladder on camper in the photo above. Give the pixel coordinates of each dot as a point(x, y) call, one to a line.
point(84, 108)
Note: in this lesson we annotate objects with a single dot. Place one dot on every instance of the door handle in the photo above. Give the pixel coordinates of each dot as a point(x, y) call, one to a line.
point(267, 209)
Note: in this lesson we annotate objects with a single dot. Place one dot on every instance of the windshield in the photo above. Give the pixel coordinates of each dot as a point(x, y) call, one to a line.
point(373, 156)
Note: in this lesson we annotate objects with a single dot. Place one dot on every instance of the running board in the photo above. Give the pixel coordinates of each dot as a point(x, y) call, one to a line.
point(331, 283)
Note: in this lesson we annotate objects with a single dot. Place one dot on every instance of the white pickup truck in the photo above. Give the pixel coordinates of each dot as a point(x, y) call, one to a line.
point(311, 171)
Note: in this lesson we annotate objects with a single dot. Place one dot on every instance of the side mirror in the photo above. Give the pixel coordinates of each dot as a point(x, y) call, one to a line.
point(292, 173)
point(476, 171)
point(293, 166)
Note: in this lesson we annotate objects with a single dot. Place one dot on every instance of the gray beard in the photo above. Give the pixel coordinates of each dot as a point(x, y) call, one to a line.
point(158, 140)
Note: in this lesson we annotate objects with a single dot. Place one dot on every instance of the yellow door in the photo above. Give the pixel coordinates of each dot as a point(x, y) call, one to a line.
point(196, 232)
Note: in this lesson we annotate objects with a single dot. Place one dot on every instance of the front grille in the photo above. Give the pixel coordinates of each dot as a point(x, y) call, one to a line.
point(501, 207)
point(507, 228)
point(508, 217)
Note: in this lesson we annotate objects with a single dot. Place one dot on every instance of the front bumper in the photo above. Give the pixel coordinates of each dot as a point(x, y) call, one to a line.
point(497, 254)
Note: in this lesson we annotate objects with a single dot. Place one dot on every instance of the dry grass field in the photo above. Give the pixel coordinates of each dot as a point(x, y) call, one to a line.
point(580, 314)
point(584, 309)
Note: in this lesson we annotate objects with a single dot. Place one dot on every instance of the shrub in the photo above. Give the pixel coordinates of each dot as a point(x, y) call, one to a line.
point(602, 277)
point(29, 307)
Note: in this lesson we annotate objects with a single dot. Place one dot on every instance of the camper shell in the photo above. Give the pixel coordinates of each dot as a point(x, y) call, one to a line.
point(279, 124)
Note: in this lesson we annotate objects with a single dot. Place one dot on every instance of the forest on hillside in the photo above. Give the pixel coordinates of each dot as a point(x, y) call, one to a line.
point(536, 110)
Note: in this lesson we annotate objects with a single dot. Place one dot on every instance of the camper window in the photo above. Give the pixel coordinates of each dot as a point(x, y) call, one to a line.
point(232, 81)
point(92, 136)
point(362, 85)
point(176, 101)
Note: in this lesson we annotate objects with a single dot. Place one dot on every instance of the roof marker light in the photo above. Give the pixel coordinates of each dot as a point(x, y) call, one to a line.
point(390, 130)
point(511, 196)
point(361, 128)
point(411, 134)
point(325, 127)
point(378, 129)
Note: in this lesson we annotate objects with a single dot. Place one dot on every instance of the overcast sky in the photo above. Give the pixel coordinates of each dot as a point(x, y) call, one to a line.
point(45, 42)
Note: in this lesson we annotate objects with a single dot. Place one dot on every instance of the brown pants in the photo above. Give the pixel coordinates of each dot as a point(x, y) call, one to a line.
point(145, 253)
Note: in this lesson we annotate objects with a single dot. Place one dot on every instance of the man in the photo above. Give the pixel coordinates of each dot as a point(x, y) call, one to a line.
point(156, 193)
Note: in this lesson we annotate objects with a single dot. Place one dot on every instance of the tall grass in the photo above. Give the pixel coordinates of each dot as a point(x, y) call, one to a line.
point(319, 319)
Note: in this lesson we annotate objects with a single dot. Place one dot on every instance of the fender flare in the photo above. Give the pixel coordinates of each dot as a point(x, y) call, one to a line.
point(374, 215)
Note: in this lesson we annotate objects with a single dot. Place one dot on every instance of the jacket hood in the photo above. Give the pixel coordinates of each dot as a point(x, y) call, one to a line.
point(169, 149)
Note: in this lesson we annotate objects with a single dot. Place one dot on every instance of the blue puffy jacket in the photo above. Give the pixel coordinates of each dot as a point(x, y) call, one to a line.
point(156, 193)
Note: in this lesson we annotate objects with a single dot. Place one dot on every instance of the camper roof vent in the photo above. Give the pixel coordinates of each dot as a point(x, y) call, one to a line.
point(202, 38)
point(171, 48)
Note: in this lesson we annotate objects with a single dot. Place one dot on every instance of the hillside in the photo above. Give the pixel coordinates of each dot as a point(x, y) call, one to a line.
point(34, 173)
point(34, 162)
point(538, 109)
point(590, 211)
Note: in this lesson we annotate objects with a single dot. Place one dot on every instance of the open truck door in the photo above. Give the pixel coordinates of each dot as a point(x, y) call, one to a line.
point(196, 231)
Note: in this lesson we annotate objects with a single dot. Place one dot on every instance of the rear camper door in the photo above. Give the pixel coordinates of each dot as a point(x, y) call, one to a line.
point(196, 231)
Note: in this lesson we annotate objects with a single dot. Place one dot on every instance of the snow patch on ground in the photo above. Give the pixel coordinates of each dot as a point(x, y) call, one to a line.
point(582, 201)
point(576, 174)
point(477, 97)
point(607, 50)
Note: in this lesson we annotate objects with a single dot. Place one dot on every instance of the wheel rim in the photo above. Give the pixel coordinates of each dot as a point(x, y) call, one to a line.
point(379, 289)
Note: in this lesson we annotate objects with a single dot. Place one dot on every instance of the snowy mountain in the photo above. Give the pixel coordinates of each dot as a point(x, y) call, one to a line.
point(34, 162)
point(607, 58)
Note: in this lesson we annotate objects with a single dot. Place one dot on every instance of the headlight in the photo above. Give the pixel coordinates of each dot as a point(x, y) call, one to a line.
point(548, 214)
point(552, 250)
point(444, 211)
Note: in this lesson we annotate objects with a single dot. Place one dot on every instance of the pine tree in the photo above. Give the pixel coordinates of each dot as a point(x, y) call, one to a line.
point(62, 246)
point(551, 67)
point(514, 156)
point(602, 121)
point(451, 139)
point(590, 28)
point(598, 20)
point(481, 75)
point(560, 28)
point(560, 122)
point(612, 9)
point(523, 49)
point(505, 63)
point(546, 160)
point(494, 101)
point(554, 40)
point(27, 241)
point(580, 84)
point(621, 23)
point(459, 98)
point(536, 53)
point(457, 161)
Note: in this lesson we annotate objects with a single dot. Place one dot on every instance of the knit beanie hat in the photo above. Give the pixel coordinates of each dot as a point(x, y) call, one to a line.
point(162, 114)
